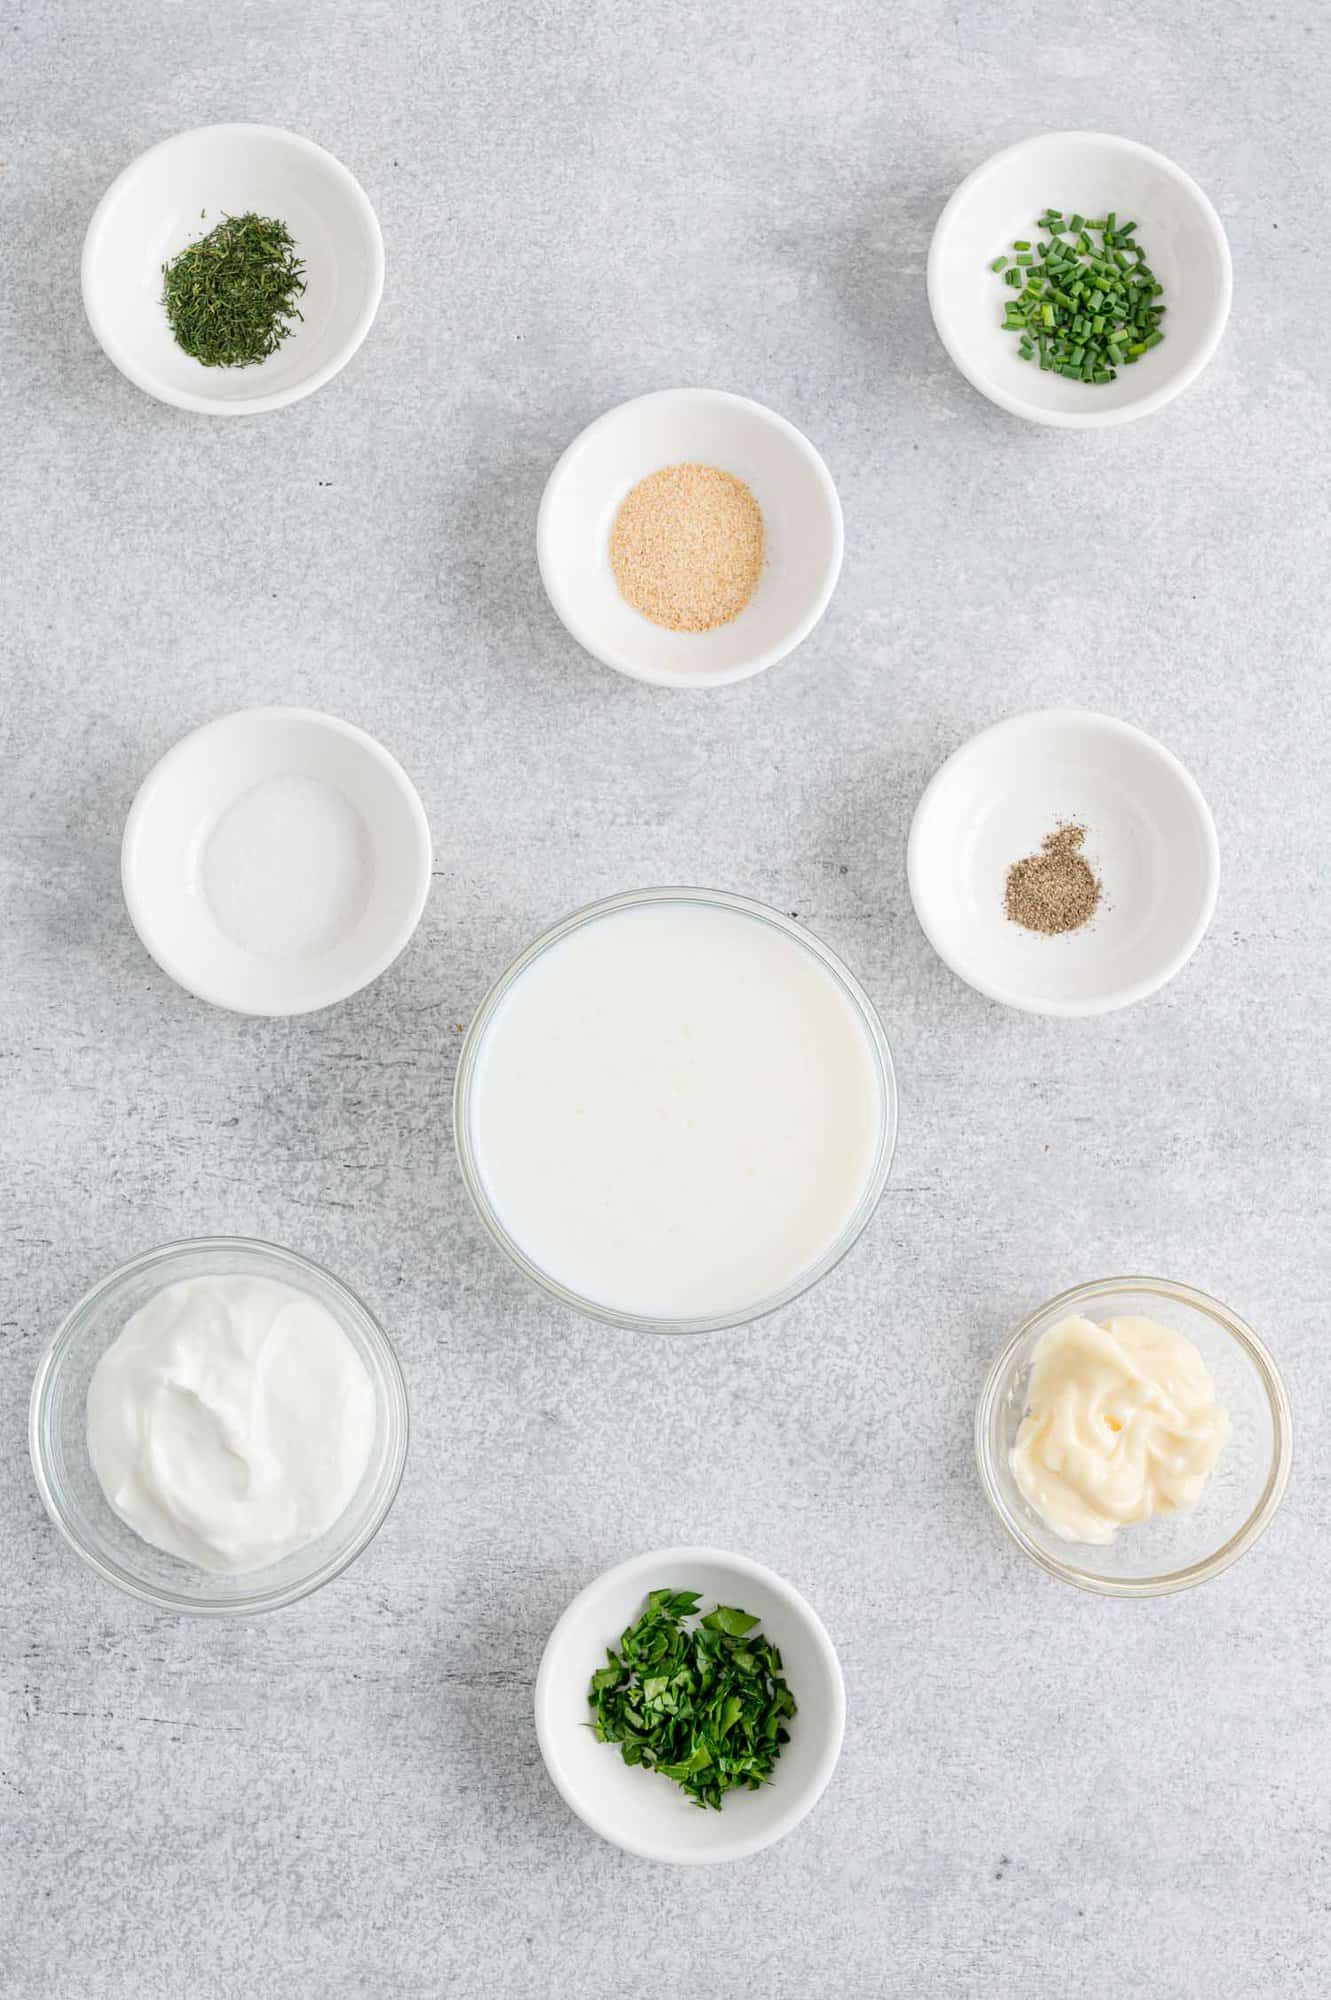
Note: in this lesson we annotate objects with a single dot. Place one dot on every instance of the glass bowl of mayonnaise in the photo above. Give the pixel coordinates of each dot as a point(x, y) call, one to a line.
point(1134, 1436)
point(219, 1426)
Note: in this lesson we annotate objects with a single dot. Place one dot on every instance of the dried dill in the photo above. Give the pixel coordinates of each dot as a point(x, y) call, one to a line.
point(231, 297)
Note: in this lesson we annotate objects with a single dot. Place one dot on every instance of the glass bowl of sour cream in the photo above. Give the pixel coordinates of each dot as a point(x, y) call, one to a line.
point(676, 1110)
point(219, 1426)
point(1134, 1436)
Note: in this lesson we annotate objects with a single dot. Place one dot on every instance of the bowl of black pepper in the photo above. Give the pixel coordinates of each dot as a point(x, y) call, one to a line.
point(233, 269)
point(1064, 863)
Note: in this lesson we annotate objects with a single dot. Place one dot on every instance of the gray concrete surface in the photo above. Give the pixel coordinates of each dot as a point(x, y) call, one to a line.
point(1041, 1793)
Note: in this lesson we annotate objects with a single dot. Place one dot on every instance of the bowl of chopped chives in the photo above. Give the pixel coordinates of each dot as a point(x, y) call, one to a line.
point(690, 1706)
point(233, 269)
point(1079, 280)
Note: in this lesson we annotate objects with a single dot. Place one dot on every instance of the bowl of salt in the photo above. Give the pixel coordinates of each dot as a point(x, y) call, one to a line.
point(276, 861)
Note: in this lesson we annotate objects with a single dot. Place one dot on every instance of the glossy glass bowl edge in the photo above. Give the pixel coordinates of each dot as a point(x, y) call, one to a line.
point(874, 1185)
point(339, 1560)
point(1282, 1427)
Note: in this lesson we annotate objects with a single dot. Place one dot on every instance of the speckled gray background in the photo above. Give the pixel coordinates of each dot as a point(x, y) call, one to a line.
point(1041, 1793)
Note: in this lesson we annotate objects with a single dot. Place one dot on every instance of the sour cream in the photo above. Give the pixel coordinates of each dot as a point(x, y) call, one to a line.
point(230, 1421)
point(1121, 1424)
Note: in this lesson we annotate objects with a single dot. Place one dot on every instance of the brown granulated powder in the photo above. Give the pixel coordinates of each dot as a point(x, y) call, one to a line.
point(687, 547)
point(1055, 890)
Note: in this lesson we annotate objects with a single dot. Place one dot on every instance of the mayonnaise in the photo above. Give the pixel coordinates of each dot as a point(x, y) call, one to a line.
point(230, 1421)
point(1121, 1423)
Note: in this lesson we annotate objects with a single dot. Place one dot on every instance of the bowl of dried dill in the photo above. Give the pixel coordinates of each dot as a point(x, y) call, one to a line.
point(233, 269)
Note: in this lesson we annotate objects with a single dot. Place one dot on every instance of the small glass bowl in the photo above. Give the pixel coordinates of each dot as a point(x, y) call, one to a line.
point(876, 1181)
point(57, 1434)
point(1174, 1551)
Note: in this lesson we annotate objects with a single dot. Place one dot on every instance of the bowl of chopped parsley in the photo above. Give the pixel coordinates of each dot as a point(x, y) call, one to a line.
point(690, 1706)
point(1079, 280)
point(233, 270)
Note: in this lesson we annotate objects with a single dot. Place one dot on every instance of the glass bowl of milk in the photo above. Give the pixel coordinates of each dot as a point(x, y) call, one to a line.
point(676, 1110)
point(225, 1433)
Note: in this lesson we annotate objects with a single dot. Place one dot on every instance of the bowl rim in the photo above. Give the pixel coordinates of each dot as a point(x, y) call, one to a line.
point(260, 1601)
point(610, 656)
point(874, 1185)
point(572, 1618)
point(240, 406)
point(141, 913)
point(1135, 990)
point(1165, 1582)
point(1092, 418)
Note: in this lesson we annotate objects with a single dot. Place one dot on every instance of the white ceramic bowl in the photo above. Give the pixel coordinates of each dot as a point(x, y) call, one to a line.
point(1149, 837)
point(640, 1810)
point(175, 193)
point(328, 869)
point(1087, 173)
point(801, 518)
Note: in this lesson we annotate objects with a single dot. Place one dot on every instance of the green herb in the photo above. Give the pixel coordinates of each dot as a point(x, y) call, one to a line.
point(1093, 309)
point(231, 297)
point(703, 1703)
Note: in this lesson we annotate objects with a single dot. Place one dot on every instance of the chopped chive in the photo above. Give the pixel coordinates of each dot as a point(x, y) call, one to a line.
point(1092, 309)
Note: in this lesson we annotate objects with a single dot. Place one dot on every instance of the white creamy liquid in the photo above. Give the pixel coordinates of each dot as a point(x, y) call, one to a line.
point(676, 1110)
point(288, 868)
point(230, 1421)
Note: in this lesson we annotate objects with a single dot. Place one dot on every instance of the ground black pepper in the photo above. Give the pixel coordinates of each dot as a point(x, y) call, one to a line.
point(1055, 890)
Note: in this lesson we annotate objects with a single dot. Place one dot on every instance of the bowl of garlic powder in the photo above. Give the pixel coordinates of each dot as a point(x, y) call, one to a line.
point(690, 538)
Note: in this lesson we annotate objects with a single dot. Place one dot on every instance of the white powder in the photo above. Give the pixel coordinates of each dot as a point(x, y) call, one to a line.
point(288, 868)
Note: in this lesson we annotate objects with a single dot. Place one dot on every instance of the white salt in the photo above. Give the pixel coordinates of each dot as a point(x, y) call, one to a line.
point(288, 868)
